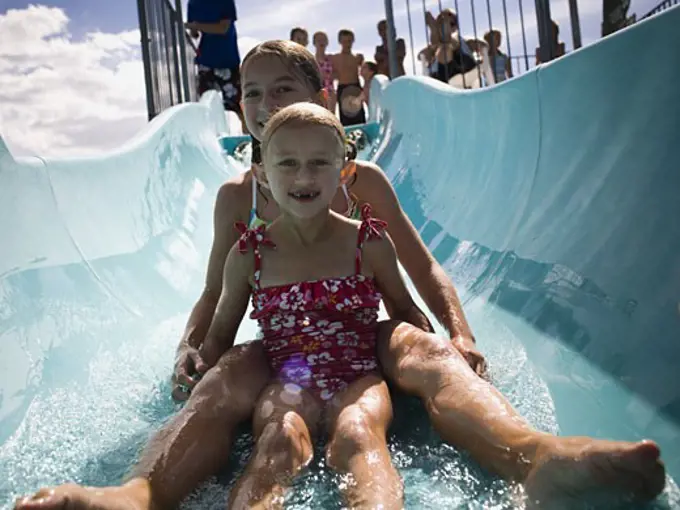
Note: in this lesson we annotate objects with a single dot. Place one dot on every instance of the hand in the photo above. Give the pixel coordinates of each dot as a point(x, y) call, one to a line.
point(468, 348)
point(191, 26)
point(429, 19)
point(189, 367)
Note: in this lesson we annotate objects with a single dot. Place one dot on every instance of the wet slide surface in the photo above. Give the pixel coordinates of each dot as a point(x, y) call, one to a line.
point(551, 200)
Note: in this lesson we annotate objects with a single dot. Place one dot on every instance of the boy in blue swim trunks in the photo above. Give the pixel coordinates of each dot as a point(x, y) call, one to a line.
point(218, 57)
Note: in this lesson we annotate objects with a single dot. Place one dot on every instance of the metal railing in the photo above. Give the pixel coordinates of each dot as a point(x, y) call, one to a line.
point(661, 7)
point(168, 54)
point(526, 26)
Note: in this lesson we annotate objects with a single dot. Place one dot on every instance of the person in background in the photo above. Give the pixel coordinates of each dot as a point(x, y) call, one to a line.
point(368, 71)
point(346, 65)
point(448, 54)
point(382, 58)
point(217, 58)
point(320, 41)
point(499, 61)
point(300, 36)
point(478, 48)
point(559, 46)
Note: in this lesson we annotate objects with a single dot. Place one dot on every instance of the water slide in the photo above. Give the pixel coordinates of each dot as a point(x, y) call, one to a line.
point(552, 200)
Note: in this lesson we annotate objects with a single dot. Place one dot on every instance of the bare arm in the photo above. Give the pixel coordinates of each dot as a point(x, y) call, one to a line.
point(401, 49)
point(224, 237)
point(381, 258)
point(188, 363)
point(431, 22)
point(429, 278)
point(230, 308)
point(210, 28)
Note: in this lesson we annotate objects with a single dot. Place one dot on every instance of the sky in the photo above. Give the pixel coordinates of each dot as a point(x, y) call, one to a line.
point(72, 81)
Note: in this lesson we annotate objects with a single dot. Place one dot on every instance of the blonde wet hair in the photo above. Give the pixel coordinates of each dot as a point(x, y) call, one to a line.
point(303, 114)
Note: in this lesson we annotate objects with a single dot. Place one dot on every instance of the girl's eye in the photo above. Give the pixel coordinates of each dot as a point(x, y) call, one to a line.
point(320, 162)
point(287, 162)
point(250, 94)
point(283, 90)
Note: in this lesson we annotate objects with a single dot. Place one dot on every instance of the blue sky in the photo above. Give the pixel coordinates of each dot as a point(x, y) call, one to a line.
point(70, 71)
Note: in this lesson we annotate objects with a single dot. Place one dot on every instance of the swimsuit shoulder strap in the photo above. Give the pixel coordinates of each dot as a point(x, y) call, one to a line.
point(253, 207)
point(371, 228)
point(255, 237)
point(352, 202)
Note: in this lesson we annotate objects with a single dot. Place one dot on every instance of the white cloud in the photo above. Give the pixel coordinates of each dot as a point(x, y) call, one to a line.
point(246, 43)
point(59, 96)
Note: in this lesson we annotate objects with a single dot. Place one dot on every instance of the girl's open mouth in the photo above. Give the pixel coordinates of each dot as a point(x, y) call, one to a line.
point(304, 196)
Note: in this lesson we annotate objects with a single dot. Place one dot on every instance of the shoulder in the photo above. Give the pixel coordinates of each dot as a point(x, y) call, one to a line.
point(373, 187)
point(234, 196)
point(371, 179)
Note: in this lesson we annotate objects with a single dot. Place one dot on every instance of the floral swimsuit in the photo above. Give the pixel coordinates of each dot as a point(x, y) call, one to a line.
point(319, 334)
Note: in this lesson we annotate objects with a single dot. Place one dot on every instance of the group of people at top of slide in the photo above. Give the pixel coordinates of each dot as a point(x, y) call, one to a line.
point(345, 67)
point(448, 55)
point(313, 237)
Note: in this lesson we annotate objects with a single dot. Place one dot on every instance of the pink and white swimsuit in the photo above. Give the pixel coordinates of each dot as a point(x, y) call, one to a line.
point(319, 334)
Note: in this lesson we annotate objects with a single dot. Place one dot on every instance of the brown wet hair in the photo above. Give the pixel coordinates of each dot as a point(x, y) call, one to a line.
point(345, 32)
point(298, 30)
point(299, 60)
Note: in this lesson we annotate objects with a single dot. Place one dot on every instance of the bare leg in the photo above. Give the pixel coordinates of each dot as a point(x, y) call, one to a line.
point(471, 414)
point(358, 421)
point(191, 447)
point(281, 424)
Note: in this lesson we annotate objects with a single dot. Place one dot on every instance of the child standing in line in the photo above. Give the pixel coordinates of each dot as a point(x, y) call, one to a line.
point(325, 62)
point(300, 36)
point(347, 66)
point(499, 61)
point(368, 71)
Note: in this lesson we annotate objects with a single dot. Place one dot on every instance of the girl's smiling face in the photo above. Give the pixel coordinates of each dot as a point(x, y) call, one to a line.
point(302, 165)
point(268, 86)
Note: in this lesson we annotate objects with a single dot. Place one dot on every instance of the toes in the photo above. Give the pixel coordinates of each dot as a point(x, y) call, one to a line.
point(648, 450)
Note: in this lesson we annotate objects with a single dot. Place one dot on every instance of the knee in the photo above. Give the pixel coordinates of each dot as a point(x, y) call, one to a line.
point(352, 436)
point(234, 384)
point(420, 358)
point(284, 442)
point(425, 350)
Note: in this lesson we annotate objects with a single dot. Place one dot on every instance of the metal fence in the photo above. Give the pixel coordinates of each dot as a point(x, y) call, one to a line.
point(168, 54)
point(661, 7)
point(526, 27)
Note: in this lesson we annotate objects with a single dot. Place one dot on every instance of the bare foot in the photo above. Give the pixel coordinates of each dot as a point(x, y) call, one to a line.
point(132, 496)
point(583, 468)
